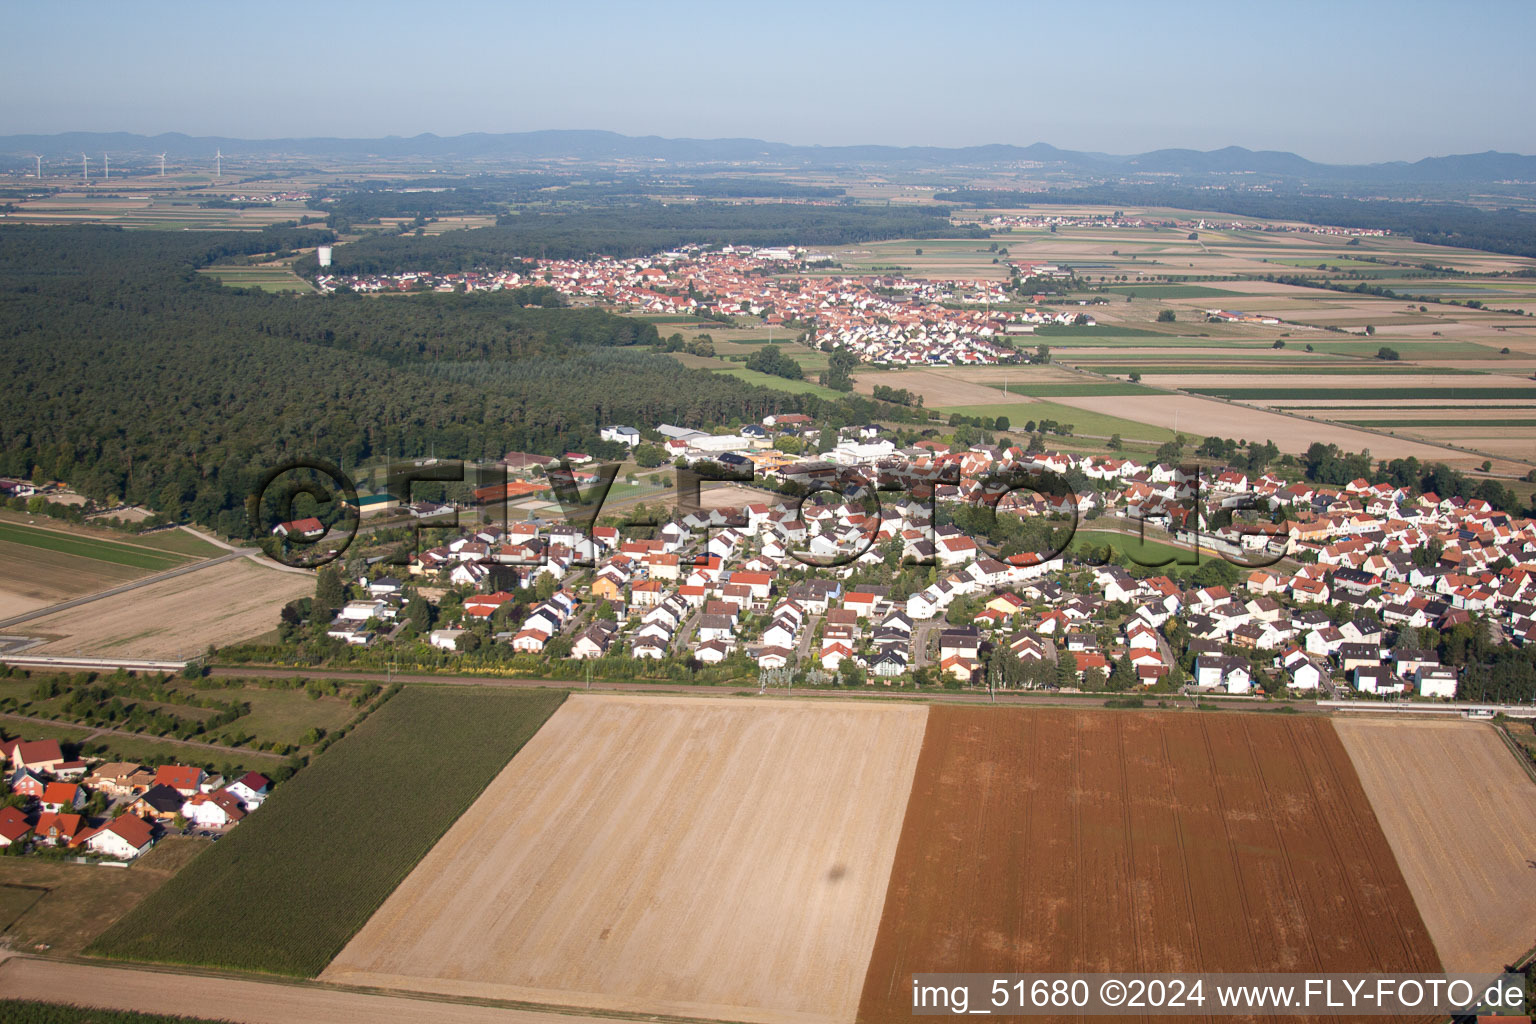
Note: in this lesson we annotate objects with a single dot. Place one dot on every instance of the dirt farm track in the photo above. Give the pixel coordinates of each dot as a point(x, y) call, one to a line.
point(688, 856)
point(1054, 840)
point(246, 1001)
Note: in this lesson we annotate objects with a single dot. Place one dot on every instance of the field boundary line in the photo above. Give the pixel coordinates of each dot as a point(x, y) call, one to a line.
point(1520, 755)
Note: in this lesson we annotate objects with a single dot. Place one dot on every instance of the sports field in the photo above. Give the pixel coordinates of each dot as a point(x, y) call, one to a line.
point(684, 856)
point(1058, 840)
point(1461, 818)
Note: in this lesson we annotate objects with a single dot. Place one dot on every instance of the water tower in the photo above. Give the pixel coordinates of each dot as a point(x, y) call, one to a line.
point(323, 254)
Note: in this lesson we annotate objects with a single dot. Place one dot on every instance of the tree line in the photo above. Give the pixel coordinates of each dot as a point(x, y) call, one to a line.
point(1504, 230)
point(638, 229)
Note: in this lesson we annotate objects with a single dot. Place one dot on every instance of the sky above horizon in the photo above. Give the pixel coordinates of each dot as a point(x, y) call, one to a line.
point(1342, 83)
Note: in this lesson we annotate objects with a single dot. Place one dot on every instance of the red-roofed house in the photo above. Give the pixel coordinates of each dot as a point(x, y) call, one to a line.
point(251, 789)
point(59, 829)
point(184, 779)
point(213, 810)
point(38, 755)
point(484, 605)
point(13, 826)
point(305, 529)
point(125, 837)
point(62, 796)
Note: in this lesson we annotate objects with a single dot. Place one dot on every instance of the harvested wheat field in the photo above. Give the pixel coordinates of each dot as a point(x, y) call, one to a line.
point(1461, 818)
point(936, 387)
point(687, 856)
point(1202, 417)
point(1042, 840)
point(178, 617)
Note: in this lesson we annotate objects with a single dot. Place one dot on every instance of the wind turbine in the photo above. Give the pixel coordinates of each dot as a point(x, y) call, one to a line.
point(162, 165)
point(85, 167)
point(218, 163)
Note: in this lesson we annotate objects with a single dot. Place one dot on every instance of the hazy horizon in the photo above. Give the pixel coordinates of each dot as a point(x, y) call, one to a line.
point(682, 138)
point(1358, 84)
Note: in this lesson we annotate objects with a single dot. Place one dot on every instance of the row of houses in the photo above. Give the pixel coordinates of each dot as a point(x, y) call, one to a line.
point(56, 791)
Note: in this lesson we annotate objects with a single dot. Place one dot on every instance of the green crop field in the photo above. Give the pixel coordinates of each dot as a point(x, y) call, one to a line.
point(1463, 423)
point(1066, 347)
point(1100, 331)
point(294, 881)
point(1297, 366)
point(1340, 394)
point(768, 380)
point(1093, 389)
point(1412, 349)
point(271, 278)
point(1172, 291)
point(1355, 408)
point(1084, 422)
point(90, 547)
point(1340, 262)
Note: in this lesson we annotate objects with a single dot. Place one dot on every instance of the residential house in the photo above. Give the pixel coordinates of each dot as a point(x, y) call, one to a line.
point(251, 789)
point(14, 827)
point(184, 779)
point(124, 837)
point(213, 810)
point(59, 829)
point(62, 797)
point(38, 755)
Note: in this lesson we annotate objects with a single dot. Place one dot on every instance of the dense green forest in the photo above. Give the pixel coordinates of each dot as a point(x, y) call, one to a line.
point(1506, 230)
point(638, 229)
point(130, 375)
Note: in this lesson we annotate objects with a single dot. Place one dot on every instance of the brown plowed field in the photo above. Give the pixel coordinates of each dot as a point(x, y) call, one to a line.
point(1048, 839)
point(1461, 817)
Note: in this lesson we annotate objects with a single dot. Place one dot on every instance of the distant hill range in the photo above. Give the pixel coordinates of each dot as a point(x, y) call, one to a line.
point(598, 146)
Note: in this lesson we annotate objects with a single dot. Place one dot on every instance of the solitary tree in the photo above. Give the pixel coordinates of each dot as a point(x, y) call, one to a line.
point(330, 593)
